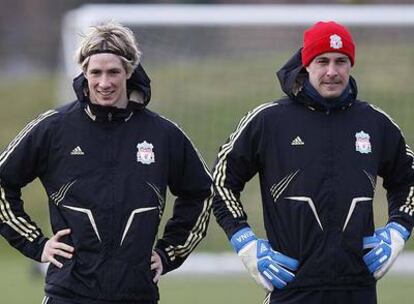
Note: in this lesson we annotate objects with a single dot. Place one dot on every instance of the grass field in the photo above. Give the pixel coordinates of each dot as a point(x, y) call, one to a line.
point(19, 285)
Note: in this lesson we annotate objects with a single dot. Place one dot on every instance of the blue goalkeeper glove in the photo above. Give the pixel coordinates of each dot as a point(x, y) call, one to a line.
point(386, 243)
point(268, 267)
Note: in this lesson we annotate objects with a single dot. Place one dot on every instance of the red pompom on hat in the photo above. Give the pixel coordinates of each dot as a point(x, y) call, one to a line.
point(324, 37)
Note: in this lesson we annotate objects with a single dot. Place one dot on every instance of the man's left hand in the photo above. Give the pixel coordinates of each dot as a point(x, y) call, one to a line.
point(386, 243)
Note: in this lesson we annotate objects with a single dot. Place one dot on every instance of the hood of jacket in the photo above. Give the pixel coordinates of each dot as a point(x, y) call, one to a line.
point(292, 77)
point(138, 87)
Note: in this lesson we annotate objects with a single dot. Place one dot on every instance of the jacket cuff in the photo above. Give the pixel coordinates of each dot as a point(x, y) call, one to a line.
point(34, 249)
point(407, 225)
point(236, 229)
point(167, 263)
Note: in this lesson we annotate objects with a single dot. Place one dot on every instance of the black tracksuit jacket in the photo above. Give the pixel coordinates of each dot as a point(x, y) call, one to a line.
point(318, 170)
point(106, 173)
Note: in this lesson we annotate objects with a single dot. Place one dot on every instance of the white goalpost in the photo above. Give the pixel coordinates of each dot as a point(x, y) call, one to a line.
point(79, 19)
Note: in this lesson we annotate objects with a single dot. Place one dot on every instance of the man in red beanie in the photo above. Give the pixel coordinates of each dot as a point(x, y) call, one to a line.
point(318, 152)
point(323, 43)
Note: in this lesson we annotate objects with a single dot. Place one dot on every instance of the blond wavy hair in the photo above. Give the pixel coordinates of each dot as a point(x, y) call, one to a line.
point(109, 37)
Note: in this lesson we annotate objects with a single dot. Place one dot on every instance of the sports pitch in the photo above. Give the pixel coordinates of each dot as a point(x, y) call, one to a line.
point(20, 285)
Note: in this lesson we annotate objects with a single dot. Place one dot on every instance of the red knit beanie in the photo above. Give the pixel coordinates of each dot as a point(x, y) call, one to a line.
point(325, 37)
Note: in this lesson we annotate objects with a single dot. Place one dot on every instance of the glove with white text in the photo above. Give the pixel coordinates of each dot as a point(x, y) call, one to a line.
point(268, 267)
point(386, 243)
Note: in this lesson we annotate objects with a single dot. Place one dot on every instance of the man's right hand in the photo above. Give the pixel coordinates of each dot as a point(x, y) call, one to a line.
point(268, 267)
point(54, 247)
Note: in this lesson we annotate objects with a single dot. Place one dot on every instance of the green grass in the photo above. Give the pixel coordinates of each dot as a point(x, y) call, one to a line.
point(20, 285)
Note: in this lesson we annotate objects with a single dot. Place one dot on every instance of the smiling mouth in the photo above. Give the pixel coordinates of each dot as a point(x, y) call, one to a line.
point(105, 94)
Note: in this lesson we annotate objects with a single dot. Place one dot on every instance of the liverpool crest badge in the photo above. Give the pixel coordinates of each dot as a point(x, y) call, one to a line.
point(362, 143)
point(145, 153)
point(335, 41)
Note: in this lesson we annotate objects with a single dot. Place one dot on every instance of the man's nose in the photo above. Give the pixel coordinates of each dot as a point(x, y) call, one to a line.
point(104, 82)
point(331, 69)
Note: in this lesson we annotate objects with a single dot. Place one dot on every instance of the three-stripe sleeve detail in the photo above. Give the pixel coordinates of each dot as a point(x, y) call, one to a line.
point(408, 207)
point(195, 235)
point(17, 140)
point(18, 224)
point(200, 157)
point(7, 216)
point(408, 150)
point(385, 114)
point(219, 174)
point(198, 231)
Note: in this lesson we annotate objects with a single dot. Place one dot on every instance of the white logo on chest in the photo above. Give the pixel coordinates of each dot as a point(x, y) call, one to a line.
point(362, 143)
point(297, 141)
point(77, 151)
point(145, 153)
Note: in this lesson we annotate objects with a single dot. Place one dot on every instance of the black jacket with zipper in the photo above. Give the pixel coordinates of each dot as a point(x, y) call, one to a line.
point(106, 173)
point(318, 170)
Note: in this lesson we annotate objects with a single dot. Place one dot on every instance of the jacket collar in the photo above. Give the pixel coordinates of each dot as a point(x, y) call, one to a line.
point(101, 113)
point(311, 98)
